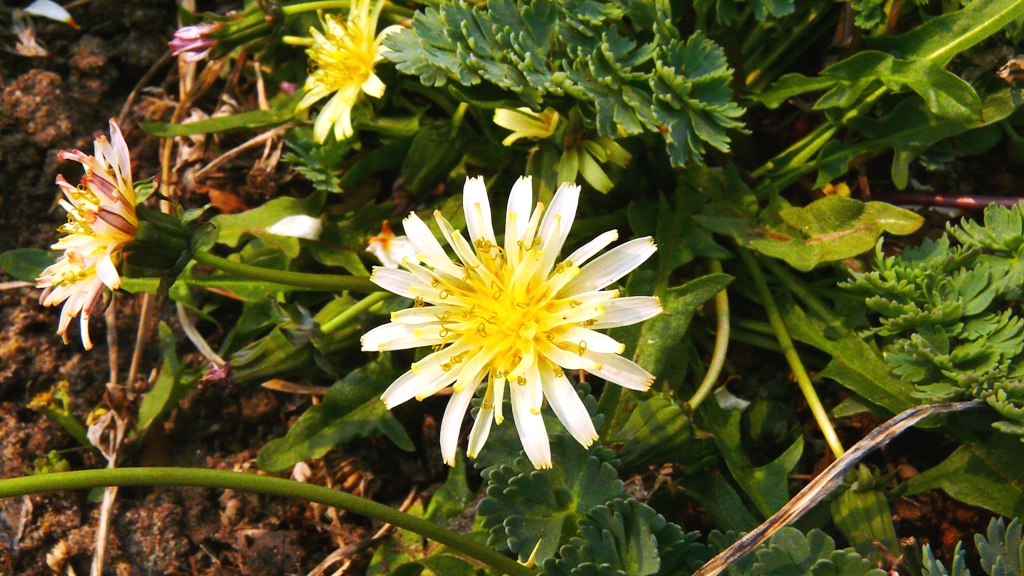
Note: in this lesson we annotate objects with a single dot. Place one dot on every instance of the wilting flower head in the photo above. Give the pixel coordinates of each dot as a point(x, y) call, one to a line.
point(342, 57)
point(194, 42)
point(390, 249)
point(101, 220)
point(514, 314)
point(525, 123)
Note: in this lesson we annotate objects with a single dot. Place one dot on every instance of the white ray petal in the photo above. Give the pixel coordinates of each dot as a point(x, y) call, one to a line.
point(409, 385)
point(530, 426)
point(588, 250)
point(451, 424)
point(627, 311)
point(590, 340)
point(615, 368)
point(520, 202)
point(478, 210)
point(391, 336)
point(558, 219)
point(481, 429)
point(428, 248)
point(424, 315)
point(393, 280)
point(611, 266)
point(570, 360)
point(568, 406)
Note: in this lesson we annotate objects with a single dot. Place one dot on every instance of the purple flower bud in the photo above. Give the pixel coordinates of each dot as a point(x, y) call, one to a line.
point(193, 43)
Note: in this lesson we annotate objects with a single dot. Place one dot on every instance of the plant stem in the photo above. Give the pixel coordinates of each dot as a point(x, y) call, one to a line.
point(721, 343)
point(801, 290)
point(789, 351)
point(338, 4)
point(223, 479)
point(353, 311)
point(297, 40)
point(326, 282)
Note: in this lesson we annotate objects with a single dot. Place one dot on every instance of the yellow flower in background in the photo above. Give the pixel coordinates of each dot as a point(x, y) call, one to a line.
point(525, 123)
point(342, 58)
point(101, 220)
point(514, 314)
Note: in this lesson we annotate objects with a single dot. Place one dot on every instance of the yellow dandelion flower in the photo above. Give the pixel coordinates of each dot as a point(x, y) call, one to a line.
point(512, 313)
point(101, 220)
point(342, 58)
point(525, 123)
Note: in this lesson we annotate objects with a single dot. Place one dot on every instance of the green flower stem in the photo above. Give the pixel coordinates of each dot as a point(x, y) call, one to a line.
point(338, 4)
point(297, 40)
point(721, 343)
point(352, 311)
point(269, 485)
point(326, 282)
point(800, 289)
point(789, 351)
point(755, 340)
point(753, 325)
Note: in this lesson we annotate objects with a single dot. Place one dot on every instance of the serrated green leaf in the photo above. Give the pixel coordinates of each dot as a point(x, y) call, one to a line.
point(791, 553)
point(534, 512)
point(615, 539)
point(26, 264)
point(1001, 548)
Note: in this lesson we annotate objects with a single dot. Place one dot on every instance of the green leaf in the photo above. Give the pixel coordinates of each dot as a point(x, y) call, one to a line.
point(987, 474)
point(941, 38)
point(826, 230)
point(533, 512)
point(656, 430)
point(933, 567)
point(351, 409)
point(719, 500)
point(169, 387)
point(863, 514)
point(790, 553)
point(282, 111)
point(435, 150)
point(26, 264)
point(692, 97)
point(578, 49)
point(660, 333)
point(768, 485)
point(944, 93)
point(1002, 551)
point(616, 539)
point(231, 227)
point(855, 364)
point(726, 11)
point(791, 86)
point(909, 130)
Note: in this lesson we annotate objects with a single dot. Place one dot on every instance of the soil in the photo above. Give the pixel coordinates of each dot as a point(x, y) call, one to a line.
point(63, 101)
